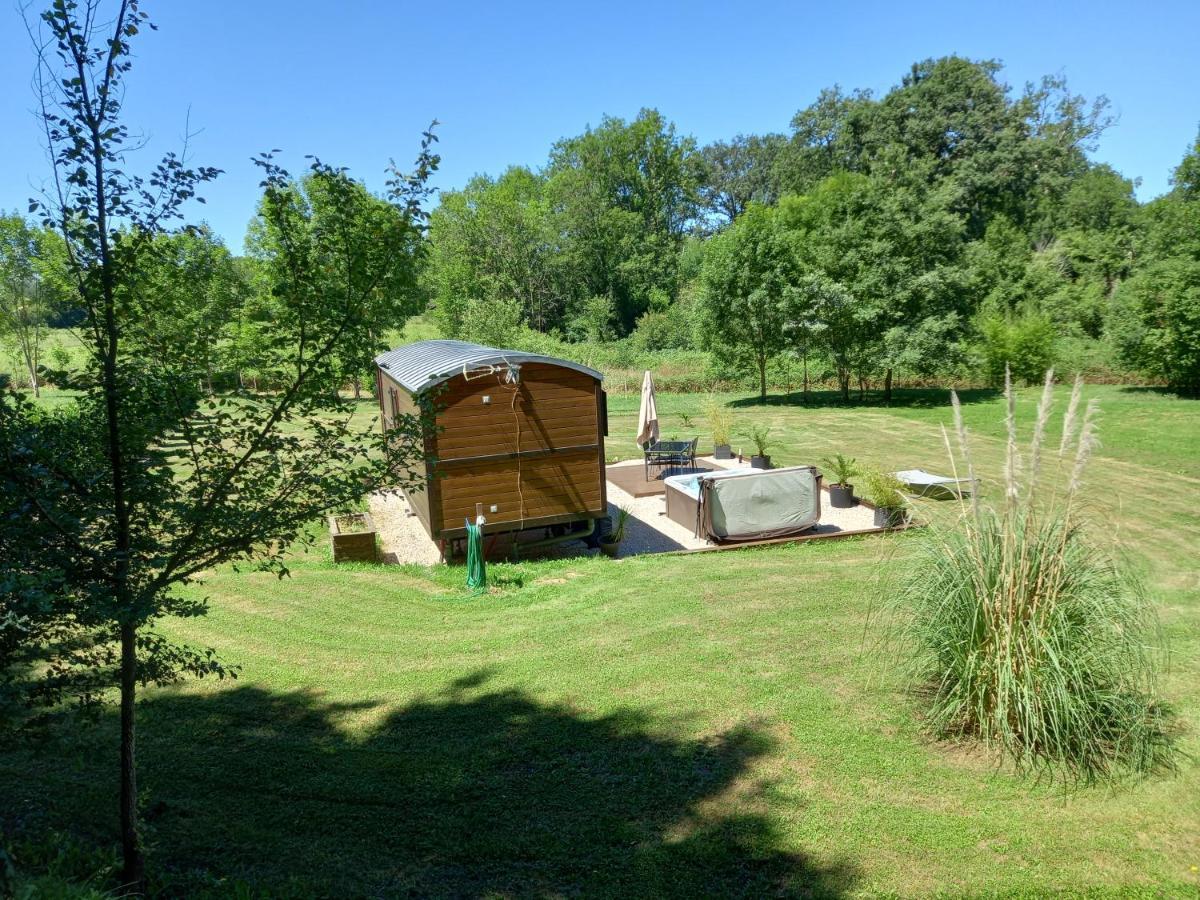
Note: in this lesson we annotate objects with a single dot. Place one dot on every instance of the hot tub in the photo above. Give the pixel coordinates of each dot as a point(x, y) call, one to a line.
point(745, 504)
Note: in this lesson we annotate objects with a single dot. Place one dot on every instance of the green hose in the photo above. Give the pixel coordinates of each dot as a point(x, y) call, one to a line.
point(476, 570)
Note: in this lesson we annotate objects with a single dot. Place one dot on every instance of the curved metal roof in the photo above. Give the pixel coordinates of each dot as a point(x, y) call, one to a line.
point(426, 363)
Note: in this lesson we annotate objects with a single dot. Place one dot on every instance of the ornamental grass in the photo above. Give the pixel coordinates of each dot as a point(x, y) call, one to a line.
point(1027, 634)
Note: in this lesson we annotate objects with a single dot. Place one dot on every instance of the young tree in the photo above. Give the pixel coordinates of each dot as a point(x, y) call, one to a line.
point(30, 288)
point(748, 278)
point(113, 504)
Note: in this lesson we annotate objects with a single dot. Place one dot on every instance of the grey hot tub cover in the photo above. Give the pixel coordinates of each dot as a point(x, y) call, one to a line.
point(760, 504)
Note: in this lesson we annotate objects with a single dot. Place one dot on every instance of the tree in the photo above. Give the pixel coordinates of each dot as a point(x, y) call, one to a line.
point(494, 242)
point(192, 289)
point(141, 485)
point(1156, 324)
point(828, 136)
point(739, 171)
point(354, 248)
point(749, 274)
point(624, 195)
point(883, 253)
point(30, 290)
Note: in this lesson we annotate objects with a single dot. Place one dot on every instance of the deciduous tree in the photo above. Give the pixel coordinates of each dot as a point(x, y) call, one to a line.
point(31, 290)
point(750, 271)
point(111, 505)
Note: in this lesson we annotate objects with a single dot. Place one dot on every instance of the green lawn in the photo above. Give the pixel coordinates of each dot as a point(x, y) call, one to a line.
point(726, 723)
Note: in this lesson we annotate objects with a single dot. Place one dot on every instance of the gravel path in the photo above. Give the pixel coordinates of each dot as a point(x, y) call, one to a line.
point(402, 537)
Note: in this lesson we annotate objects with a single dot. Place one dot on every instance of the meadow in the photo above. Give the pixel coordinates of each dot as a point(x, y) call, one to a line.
point(714, 724)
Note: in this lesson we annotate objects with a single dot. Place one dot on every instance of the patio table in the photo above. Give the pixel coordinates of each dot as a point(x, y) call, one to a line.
point(666, 454)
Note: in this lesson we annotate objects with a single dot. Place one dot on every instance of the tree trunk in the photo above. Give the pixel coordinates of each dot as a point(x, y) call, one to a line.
point(844, 384)
point(887, 388)
point(806, 378)
point(31, 363)
point(357, 388)
point(133, 868)
point(762, 378)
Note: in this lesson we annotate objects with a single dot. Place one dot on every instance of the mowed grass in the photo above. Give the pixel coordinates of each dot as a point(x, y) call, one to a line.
point(713, 724)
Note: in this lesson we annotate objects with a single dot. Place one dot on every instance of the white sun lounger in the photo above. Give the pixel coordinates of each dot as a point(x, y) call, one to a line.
point(926, 484)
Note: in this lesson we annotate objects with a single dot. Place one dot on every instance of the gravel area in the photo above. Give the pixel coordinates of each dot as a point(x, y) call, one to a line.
point(403, 539)
point(650, 531)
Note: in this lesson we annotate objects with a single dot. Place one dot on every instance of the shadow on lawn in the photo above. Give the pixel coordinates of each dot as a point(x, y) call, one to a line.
point(1159, 390)
point(910, 398)
point(467, 793)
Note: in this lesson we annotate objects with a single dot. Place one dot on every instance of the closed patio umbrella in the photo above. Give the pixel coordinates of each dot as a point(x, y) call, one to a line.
point(648, 415)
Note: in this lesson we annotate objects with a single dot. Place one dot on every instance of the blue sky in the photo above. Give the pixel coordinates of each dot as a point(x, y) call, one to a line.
point(507, 79)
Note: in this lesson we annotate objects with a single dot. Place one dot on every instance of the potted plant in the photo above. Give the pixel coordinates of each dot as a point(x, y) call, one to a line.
point(761, 436)
point(841, 469)
point(720, 423)
point(612, 539)
point(885, 491)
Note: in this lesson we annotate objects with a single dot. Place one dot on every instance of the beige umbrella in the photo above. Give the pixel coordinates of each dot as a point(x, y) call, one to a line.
point(648, 415)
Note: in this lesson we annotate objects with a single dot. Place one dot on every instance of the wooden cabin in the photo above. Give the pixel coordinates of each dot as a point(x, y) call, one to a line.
point(518, 433)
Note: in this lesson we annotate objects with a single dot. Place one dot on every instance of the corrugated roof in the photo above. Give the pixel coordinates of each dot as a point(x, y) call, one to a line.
point(426, 363)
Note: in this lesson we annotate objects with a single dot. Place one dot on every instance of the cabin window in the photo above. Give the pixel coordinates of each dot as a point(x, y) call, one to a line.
point(394, 397)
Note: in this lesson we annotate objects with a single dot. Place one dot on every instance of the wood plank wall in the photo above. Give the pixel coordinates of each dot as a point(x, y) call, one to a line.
point(535, 449)
point(551, 416)
point(394, 401)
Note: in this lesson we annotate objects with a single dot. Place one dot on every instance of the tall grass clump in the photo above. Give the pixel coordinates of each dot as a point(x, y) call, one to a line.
point(1026, 633)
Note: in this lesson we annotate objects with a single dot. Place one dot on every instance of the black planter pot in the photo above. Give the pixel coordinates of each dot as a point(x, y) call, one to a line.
point(722, 451)
point(760, 462)
point(609, 548)
point(841, 496)
point(889, 518)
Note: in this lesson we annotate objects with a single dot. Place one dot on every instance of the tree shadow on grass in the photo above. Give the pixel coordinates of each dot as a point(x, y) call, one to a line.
point(469, 793)
point(1159, 390)
point(902, 398)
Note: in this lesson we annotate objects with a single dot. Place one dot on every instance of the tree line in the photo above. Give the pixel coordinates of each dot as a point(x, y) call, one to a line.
point(950, 227)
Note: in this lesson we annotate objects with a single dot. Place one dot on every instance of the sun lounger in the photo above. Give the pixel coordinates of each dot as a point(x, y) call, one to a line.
point(926, 484)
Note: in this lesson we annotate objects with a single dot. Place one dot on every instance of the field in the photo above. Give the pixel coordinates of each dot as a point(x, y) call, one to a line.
point(727, 723)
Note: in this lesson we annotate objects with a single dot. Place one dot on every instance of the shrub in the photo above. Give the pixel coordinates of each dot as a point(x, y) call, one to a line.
point(1025, 633)
point(493, 323)
point(592, 319)
point(720, 420)
point(668, 329)
point(883, 489)
point(1022, 345)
